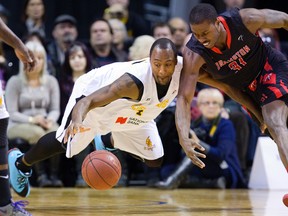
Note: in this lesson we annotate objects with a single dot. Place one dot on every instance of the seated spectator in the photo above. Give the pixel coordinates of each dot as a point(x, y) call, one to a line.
point(33, 18)
point(140, 47)
point(33, 104)
point(35, 36)
point(180, 30)
point(217, 136)
point(120, 37)
point(64, 33)
point(270, 36)
point(135, 23)
point(101, 43)
point(162, 30)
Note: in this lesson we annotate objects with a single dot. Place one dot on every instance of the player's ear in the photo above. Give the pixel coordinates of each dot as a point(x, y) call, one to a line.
point(217, 24)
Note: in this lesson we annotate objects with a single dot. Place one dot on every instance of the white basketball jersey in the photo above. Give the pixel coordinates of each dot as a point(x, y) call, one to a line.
point(121, 114)
point(124, 114)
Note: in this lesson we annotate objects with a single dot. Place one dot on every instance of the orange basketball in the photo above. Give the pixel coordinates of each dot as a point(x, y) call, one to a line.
point(101, 170)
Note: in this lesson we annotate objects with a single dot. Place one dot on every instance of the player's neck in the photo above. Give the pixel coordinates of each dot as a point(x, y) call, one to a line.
point(221, 44)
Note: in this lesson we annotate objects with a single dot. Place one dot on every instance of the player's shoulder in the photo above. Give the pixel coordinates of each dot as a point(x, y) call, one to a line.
point(140, 61)
point(141, 64)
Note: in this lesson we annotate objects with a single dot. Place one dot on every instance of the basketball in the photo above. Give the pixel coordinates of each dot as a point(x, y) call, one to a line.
point(101, 170)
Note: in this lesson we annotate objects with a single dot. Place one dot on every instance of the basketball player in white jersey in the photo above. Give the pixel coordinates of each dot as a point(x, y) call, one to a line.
point(7, 206)
point(121, 98)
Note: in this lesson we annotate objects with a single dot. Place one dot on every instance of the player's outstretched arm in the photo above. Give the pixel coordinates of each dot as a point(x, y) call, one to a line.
point(123, 87)
point(189, 75)
point(255, 19)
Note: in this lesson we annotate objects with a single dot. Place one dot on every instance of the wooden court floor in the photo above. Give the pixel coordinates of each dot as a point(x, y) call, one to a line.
point(146, 201)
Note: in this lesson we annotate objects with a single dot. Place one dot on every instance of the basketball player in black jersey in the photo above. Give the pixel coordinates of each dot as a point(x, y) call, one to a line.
point(226, 52)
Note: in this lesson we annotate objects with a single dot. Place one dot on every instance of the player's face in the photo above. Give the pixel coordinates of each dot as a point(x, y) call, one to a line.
point(206, 33)
point(163, 65)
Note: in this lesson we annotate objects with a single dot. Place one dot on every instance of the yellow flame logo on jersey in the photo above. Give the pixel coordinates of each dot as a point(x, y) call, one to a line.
point(1, 101)
point(139, 108)
point(163, 104)
point(149, 145)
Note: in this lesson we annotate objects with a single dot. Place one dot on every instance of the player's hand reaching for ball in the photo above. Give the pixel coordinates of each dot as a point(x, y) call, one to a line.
point(73, 129)
point(190, 146)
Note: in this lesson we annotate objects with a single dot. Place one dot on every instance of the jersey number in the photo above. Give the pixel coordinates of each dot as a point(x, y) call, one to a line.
point(236, 66)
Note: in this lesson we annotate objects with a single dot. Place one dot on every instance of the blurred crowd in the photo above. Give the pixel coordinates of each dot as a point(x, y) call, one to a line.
point(36, 101)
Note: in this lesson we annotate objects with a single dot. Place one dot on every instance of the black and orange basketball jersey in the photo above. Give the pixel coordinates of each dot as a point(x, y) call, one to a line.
point(242, 60)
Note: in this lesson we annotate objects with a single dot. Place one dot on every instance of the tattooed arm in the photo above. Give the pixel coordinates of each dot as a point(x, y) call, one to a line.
point(123, 87)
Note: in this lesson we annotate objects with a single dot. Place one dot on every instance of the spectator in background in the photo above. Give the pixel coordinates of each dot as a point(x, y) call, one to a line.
point(120, 37)
point(64, 33)
point(101, 43)
point(141, 47)
point(77, 62)
point(33, 18)
point(162, 30)
point(33, 103)
point(135, 24)
point(270, 37)
point(35, 36)
point(180, 30)
point(217, 136)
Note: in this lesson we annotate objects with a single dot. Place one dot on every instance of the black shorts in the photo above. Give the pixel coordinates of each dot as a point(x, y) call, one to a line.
point(272, 82)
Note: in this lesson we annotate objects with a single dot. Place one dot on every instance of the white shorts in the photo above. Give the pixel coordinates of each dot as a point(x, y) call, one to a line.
point(3, 111)
point(144, 142)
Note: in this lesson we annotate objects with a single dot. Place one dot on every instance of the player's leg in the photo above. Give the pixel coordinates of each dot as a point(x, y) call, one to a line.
point(275, 116)
point(7, 206)
point(20, 165)
point(104, 142)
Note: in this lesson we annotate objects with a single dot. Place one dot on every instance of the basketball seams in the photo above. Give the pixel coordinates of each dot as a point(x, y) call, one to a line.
point(109, 164)
point(104, 152)
point(101, 170)
point(103, 179)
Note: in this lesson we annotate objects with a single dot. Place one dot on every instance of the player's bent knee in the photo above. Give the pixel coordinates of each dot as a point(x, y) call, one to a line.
point(154, 163)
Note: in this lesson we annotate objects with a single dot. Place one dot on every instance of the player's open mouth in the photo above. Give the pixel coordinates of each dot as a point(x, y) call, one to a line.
point(206, 44)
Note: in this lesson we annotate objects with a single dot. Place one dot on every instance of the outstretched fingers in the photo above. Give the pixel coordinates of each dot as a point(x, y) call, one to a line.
point(73, 129)
point(195, 155)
